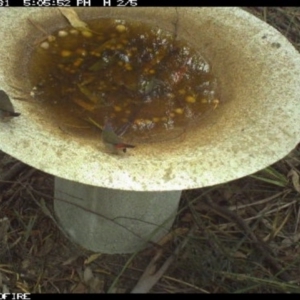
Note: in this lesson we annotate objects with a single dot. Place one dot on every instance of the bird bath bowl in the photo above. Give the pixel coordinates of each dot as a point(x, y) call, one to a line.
point(257, 124)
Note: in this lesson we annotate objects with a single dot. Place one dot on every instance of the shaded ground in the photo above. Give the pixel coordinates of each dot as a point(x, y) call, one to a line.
point(238, 237)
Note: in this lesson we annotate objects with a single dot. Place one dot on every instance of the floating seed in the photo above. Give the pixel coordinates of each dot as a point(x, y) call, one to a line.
point(216, 103)
point(170, 95)
point(179, 111)
point(81, 52)
point(74, 31)
point(45, 45)
point(148, 122)
point(86, 34)
point(62, 33)
point(139, 122)
point(117, 108)
point(128, 67)
point(65, 53)
point(190, 99)
point(78, 62)
point(121, 28)
point(51, 38)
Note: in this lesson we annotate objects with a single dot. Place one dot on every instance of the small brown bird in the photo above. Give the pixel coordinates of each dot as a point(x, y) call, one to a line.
point(7, 111)
point(112, 141)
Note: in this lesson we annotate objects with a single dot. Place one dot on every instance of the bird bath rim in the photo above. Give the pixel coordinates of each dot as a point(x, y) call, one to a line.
point(253, 129)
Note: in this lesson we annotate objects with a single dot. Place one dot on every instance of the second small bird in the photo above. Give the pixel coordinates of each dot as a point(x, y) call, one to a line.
point(7, 110)
point(112, 141)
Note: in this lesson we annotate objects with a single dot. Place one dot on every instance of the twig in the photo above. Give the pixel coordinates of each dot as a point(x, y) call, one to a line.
point(17, 168)
point(186, 284)
point(237, 207)
point(150, 277)
point(261, 246)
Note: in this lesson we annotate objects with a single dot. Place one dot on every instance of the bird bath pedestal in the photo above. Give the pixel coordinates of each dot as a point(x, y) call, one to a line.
point(115, 204)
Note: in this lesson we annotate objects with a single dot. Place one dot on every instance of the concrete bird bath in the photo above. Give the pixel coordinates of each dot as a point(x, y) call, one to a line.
point(258, 123)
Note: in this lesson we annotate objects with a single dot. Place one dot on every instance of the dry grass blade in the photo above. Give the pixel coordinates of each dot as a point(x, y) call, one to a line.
point(270, 175)
point(259, 244)
point(150, 276)
point(244, 277)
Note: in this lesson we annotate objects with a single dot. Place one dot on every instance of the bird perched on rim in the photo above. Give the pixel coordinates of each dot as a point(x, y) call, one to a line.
point(7, 110)
point(112, 141)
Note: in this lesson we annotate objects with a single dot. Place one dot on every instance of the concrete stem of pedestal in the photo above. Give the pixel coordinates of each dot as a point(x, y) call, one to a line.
point(113, 221)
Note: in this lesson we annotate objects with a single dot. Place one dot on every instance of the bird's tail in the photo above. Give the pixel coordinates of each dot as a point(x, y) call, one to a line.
point(11, 113)
point(122, 146)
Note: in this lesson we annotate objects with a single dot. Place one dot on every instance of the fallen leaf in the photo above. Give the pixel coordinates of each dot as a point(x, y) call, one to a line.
point(70, 260)
point(25, 263)
point(295, 180)
point(239, 254)
point(168, 237)
point(96, 285)
point(46, 247)
point(87, 274)
point(92, 258)
point(93, 282)
point(291, 240)
point(79, 289)
point(73, 18)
